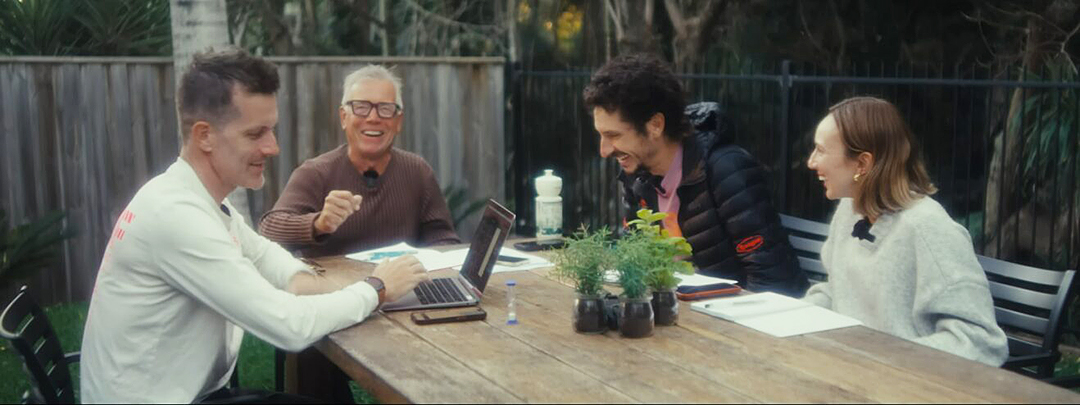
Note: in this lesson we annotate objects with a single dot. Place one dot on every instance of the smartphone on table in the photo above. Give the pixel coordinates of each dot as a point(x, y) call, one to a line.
point(449, 315)
point(697, 292)
point(532, 246)
point(510, 260)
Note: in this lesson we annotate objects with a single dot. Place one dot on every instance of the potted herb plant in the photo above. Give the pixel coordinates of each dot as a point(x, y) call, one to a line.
point(582, 261)
point(665, 259)
point(633, 263)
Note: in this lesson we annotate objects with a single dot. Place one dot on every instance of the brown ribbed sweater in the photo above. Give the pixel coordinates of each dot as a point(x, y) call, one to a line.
point(405, 204)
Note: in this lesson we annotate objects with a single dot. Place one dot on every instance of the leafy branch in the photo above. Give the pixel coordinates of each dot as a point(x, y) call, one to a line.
point(583, 260)
point(27, 248)
point(648, 256)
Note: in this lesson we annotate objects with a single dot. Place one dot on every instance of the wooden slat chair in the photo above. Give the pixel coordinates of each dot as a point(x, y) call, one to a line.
point(1033, 301)
point(807, 237)
point(25, 325)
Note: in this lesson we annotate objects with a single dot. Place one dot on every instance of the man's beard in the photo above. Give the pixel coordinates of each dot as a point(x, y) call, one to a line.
point(641, 171)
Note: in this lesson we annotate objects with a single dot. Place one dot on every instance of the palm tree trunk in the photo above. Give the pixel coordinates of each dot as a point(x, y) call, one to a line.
point(199, 25)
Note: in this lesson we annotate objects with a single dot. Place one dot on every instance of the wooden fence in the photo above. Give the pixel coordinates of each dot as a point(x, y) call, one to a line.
point(83, 134)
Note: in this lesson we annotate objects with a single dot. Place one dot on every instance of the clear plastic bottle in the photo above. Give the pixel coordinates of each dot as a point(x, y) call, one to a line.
point(511, 306)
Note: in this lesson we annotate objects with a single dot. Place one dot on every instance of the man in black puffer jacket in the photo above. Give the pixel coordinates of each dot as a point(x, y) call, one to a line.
point(681, 160)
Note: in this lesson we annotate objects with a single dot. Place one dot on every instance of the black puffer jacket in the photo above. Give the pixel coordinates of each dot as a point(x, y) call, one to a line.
point(725, 210)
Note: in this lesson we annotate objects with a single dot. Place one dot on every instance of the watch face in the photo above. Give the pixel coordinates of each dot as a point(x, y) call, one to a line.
point(376, 282)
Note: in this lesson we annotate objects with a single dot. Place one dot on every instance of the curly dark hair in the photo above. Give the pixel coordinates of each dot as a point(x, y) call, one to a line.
point(638, 86)
point(205, 92)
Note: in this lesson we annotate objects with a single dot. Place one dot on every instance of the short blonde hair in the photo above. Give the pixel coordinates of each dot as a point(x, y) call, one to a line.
point(897, 177)
point(372, 72)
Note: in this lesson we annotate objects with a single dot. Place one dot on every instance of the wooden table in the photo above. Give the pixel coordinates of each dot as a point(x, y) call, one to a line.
point(702, 359)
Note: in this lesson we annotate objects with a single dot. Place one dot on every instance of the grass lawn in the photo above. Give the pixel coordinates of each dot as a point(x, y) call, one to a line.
point(256, 357)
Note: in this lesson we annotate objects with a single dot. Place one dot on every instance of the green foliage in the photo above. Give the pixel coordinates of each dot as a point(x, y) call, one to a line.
point(1047, 124)
point(459, 204)
point(67, 321)
point(125, 27)
point(85, 27)
point(584, 259)
point(648, 256)
point(27, 248)
point(633, 262)
point(37, 27)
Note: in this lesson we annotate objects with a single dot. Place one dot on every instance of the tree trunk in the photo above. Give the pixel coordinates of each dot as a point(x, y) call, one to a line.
point(272, 16)
point(511, 30)
point(633, 21)
point(1011, 213)
point(693, 23)
point(199, 25)
point(594, 37)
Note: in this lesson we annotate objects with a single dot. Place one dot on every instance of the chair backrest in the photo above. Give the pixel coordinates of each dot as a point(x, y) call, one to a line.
point(24, 324)
point(1029, 299)
point(807, 237)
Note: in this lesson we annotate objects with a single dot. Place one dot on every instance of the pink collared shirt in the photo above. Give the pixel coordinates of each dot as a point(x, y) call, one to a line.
point(668, 200)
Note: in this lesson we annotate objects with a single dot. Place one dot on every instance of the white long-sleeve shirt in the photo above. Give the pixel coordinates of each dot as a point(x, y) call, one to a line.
point(179, 283)
point(919, 280)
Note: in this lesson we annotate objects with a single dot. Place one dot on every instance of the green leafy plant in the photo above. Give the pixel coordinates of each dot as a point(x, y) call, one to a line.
point(633, 262)
point(584, 259)
point(27, 248)
point(459, 204)
point(657, 254)
point(85, 27)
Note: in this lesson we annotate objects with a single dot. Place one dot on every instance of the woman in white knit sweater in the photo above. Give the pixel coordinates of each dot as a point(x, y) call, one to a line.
point(896, 260)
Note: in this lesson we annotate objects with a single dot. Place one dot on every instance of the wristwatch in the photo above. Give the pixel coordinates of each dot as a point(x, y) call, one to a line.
point(380, 288)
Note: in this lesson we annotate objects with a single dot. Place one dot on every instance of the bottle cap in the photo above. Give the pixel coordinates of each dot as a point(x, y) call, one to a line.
point(511, 283)
point(548, 185)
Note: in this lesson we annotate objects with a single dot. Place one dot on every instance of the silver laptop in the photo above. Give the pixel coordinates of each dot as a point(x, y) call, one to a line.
point(467, 287)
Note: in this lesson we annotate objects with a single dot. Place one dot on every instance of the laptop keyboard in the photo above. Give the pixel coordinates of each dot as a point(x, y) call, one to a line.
point(438, 291)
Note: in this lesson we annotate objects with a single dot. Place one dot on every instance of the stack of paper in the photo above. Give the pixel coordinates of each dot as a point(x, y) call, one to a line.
point(431, 259)
point(530, 262)
point(435, 260)
point(774, 314)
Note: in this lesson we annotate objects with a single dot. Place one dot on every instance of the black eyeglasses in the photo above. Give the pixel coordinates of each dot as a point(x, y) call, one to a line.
point(363, 107)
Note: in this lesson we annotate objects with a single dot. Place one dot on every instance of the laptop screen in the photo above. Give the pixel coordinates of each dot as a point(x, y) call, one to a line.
point(490, 234)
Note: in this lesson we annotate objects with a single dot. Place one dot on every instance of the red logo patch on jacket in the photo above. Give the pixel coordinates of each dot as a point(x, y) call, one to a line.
point(643, 204)
point(750, 244)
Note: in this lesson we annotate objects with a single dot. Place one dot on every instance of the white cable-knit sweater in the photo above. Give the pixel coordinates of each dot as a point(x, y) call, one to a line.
point(918, 280)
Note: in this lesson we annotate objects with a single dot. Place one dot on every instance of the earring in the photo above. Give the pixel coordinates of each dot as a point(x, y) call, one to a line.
point(856, 178)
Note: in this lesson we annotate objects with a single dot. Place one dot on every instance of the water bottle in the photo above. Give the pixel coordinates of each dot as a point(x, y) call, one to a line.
point(511, 307)
point(548, 208)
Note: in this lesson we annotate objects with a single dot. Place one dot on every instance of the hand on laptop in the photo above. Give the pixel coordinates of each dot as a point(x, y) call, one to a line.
point(338, 205)
point(400, 276)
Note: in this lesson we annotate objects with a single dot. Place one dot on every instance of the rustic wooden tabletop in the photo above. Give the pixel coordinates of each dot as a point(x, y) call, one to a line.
point(702, 359)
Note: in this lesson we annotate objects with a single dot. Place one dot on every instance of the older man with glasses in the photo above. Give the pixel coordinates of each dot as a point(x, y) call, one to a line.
point(360, 195)
point(365, 193)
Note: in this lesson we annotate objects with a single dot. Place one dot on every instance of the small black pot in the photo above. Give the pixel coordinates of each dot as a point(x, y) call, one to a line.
point(589, 314)
point(665, 307)
point(637, 318)
point(612, 308)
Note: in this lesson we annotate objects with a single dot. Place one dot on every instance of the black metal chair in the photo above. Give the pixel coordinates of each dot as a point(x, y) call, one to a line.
point(807, 237)
point(1031, 301)
point(25, 325)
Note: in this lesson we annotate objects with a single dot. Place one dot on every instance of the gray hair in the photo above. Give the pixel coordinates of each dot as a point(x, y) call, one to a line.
point(372, 72)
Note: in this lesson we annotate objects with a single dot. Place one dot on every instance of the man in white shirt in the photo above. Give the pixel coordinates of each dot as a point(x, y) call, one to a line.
point(182, 278)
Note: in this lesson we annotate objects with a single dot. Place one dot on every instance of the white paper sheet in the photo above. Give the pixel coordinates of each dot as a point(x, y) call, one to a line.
point(531, 261)
point(799, 321)
point(431, 259)
point(775, 314)
point(693, 280)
